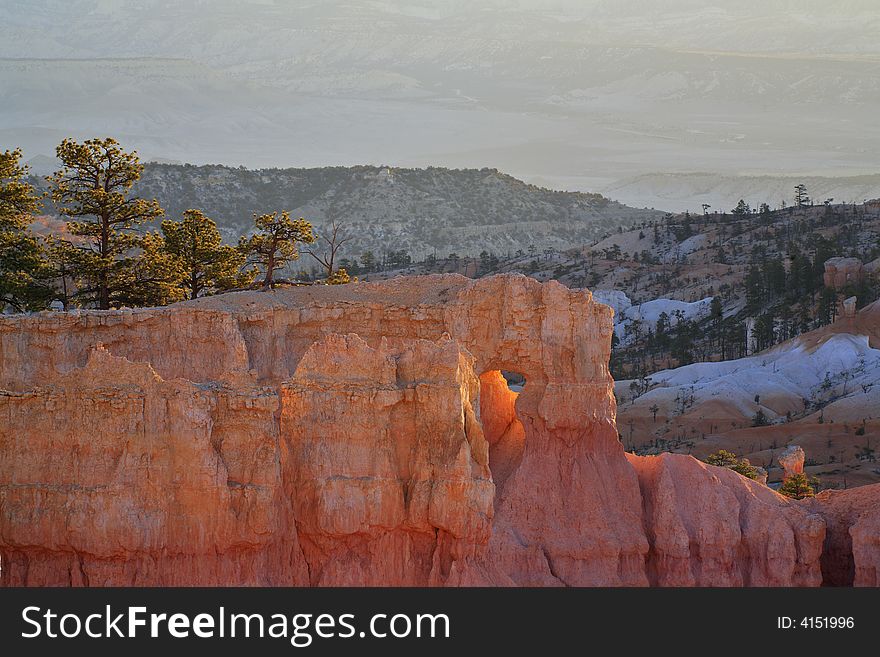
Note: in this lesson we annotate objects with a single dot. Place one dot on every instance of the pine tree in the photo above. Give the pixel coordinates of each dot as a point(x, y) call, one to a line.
point(827, 311)
point(724, 459)
point(661, 330)
point(716, 314)
point(804, 319)
point(368, 261)
point(25, 274)
point(760, 419)
point(93, 188)
point(824, 251)
point(208, 265)
point(765, 331)
point(754, 290)
point(786, 326)
point(275, 243)
point(774, 274)
point(63, 256)
point(798, 486)
point(682, 347)
point(154, 278)
point(742, 209)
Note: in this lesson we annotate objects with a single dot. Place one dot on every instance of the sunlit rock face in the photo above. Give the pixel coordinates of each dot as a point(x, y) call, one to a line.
point(792, 460)
point(710, 526)
point(360, 435)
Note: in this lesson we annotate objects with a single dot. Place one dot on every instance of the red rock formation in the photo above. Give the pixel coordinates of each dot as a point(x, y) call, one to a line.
point(792, 461)
point(113, 476)
point(357, 434)
point(852, 544)
point(840, 272)
point(713, 527)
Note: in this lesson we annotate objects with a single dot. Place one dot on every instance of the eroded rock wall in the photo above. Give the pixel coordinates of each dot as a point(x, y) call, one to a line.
point(710, 526)
point(113, 476)
point(851, 555)
point(357, 434)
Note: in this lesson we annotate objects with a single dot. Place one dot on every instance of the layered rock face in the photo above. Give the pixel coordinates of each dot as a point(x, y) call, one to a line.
point(359, 435)
point(710, 526)
point(851, 556)
point(840, 272)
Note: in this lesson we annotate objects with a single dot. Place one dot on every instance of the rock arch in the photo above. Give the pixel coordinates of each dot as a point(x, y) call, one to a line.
point(338, 440)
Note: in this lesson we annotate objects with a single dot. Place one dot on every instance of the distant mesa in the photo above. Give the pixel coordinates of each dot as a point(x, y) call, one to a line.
point(43, 165)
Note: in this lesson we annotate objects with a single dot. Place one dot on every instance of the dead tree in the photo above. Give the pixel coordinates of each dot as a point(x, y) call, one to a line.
point(330, 241)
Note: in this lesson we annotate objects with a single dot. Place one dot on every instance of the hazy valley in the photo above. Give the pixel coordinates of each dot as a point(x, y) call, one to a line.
point(556, 97)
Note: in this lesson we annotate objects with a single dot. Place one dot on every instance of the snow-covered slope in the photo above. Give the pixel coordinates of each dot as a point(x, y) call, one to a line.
point(841, 374)
point(617, 299)
point(646, 314)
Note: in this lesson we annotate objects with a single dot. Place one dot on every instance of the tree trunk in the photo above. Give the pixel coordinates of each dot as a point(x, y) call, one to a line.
point(104, 279)
point(269, 281)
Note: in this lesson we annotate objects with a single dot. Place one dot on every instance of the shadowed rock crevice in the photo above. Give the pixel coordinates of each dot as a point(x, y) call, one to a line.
point(851, 552)
point(502, 427)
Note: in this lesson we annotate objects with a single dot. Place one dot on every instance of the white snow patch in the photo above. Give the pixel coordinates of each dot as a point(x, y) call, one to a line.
point(617, 299)
point(625, 313)
point(845, 366)
point(692, 244)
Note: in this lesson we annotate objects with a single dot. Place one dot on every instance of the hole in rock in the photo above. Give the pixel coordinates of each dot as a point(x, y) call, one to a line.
point(503, 430)
point(515, 381)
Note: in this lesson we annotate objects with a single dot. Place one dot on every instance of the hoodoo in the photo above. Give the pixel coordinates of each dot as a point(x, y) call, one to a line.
point(363, 435)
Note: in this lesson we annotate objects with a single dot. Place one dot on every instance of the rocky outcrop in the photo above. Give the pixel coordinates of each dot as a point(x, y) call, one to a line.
point(841, 272)
point(318, 436)
point(358, 435)
point(851, 555)
point(710, 526)
point(792, 460)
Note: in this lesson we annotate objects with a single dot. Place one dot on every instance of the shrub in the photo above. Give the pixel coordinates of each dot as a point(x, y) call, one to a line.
point(760, 419)
point(798, 486)
point(725, 459)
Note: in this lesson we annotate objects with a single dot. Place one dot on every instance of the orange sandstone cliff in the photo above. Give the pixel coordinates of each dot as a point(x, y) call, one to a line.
point(363, 435)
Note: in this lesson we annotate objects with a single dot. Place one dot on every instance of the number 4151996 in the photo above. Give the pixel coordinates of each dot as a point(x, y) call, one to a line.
point(815, 623)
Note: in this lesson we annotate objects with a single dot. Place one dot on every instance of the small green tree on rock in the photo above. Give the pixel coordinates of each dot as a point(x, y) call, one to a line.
point(340, 277)
point(798, 486)
point(724, 459)
point(274, 245)
point(208, 265)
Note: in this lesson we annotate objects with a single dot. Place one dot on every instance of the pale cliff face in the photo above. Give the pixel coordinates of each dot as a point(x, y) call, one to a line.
point(358, 435)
